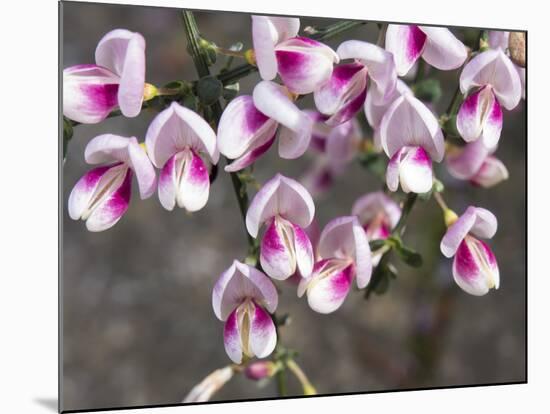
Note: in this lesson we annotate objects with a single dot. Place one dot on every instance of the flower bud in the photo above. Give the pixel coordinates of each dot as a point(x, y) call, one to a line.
point(260, 370)
point(450, 217)
point(250, 57)
point(149, 91)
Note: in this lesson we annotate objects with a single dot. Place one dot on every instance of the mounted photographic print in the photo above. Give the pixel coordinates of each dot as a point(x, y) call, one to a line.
point(260, 207)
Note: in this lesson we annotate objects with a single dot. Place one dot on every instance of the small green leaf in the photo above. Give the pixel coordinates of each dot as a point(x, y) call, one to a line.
point(409, 256)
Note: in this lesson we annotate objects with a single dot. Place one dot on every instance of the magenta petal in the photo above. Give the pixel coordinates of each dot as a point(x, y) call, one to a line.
point(277, 254)
point(263, 335)
point(168, 184)
point(232, 338)
point(493, 125)
point(406, 42)
point(242, 128)
point(344, 93)
point(378, 207)
point(89, 93)
point(413, 167)
point(329, 285)
point(480, 115)
point(475, 267)
point(478, 221)
point(123, 52)
point(465, 163)
point(304, 64)
point(303, 250)
point(108, 207)
point(82, 193)
point(249, 157)
point(192, 180)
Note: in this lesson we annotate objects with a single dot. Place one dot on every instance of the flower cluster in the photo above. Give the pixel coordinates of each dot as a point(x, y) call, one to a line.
point(183, 146)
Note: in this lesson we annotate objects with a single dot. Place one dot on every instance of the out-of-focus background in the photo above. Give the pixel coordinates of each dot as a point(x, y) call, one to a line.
point(138, 326)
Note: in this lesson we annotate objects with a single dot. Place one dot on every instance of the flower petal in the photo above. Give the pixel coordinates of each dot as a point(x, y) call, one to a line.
point(280, 196)
point(249, 157)
point(102, 202)
point(494, 68)
point(238, 282)
point(414, 167)
point(375, 112)
point(267, 32)
point(492, 172)
point(232, 338)
point(443, 50)
point(84, 190)
point(263, 335)
point(408, 122)
point(107, 148)
point(168, 184)
point(145, 173)
point(89, 93)
point(498, 39)
point(329, 286)
point(343, 94)
point(369, 206)
point(304, 64)
point(466, 162)
point(475, 220)
point(243, 126)
point(406, 43)
point(123, 52)
point(379, 63)
point(277, 255)
point(175, 129)
point(344, 238)
point(473, 112)
point(304, 251)
point(192, 180)
point(272, 100)
point(475, 268)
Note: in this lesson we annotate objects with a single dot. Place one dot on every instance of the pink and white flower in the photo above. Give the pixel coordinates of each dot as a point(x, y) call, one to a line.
point(102, 195)
point(286, 208)
point(499, 40)
point(242, 298)
point(375, 111)
point(378, 214)
point(496, 84)
point(436, 45)
point(334, 149)
point(345, 92)
point(474, 162)
point(343, 254)
point(117, 79)
point(475, 268)
point(302, 63)
point(176, 140)
point(411, 137)
point(249, 124)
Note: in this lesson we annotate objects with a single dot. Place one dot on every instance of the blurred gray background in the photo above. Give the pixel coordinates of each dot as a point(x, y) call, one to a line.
point(138, 325)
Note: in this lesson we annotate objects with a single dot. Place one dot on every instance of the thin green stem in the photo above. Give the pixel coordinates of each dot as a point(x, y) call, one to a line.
point(201, 65)
point(405, 211)
point(281, 381)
